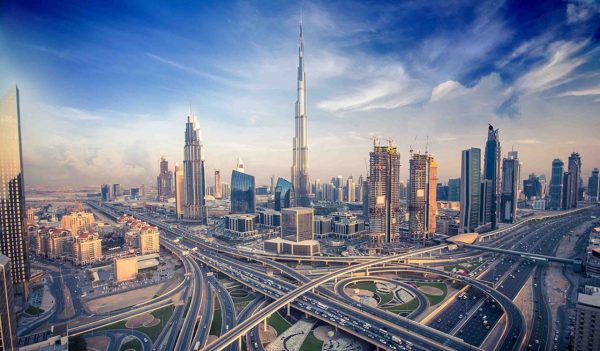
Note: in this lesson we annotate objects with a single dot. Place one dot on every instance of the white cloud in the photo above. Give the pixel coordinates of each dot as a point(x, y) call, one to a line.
point(444, 89)
point(582, 92)
point(580, 11)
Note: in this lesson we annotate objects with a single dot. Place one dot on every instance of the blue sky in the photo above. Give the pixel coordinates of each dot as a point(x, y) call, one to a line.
point(106, 86)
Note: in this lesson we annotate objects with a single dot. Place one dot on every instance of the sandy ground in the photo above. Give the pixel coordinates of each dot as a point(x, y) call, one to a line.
point(431, 290)
point(97, 343)
point(139, 321)
point(321, 332)
point(363, 296)
point(69, 310)
point(292, 338)
point(267, 336)
point(524, 301)
point(122, 300)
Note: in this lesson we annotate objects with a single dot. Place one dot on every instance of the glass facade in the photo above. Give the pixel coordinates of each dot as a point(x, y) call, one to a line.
point(243, 199)
point(8, 323)
point(284, 194)
point(556, 185)
point(12, 201)
point(470, 188)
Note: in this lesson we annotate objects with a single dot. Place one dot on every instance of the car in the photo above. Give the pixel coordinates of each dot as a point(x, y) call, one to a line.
point(145, 339)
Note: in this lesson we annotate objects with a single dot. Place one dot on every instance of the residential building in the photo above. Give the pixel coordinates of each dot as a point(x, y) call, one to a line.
point(76, 222)
point(164, 180)
point(586, 335)
point(87, 248)
point(8, 320)
point(422, 203)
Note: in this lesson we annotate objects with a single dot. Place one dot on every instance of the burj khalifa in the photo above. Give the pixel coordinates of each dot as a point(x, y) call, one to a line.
point(300, 178)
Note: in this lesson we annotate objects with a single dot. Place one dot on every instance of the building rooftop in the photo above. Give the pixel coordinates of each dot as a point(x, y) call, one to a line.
point(466, 238)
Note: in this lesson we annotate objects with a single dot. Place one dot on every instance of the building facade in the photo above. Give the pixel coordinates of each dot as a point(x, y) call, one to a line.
point(87, 248)
point(243, 196)
point(422, 203)
point(491, 172)
point(454, 189)
point(164, 180)
point(284, 195)
point(470, 188)
point(13, 239)
point(297, 223)
point(76, 222)
point(586, 335)
point(105, 192)
point(511, 175)
point(125, 268)
point(300, 178)
point(556, 185)
point(575, 170)
point(179, 192)
point(218, 194)
point(384, 191)
point(194, 208)
point(594, 186)
point(8, 321)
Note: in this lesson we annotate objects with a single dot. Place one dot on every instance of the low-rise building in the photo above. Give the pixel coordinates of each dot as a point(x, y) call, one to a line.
point(586, 335)
point(289, 247)
point(241, 226)
point(125, 268)
point(323, 226)
point(269, 218)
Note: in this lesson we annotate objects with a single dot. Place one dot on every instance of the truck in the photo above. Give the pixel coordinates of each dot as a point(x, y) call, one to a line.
point(197, 346)
point(396, 339)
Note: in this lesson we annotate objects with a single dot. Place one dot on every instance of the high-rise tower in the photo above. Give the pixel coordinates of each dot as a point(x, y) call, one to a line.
point(575, 170)
point(164, 180)
point(218, 190)
point(422, 205)
point(300, 178)
point(13, 241)
point(491, 172)
point(384, 191)
point(193, 169)
point(556, 185)
point(511, 178)
point(470, 188)
point(179, 191)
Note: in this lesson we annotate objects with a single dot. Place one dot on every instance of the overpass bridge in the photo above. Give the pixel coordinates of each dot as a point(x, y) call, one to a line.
point(537, 257)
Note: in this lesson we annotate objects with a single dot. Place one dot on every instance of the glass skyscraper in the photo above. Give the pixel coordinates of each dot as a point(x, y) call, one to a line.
point(243, 199)
point(491, 172)
point(194, 208)
point(470, 189)
point(511, 173)
point(8, 322)
point(12, 200)
point(556, 185)
point(284, 194)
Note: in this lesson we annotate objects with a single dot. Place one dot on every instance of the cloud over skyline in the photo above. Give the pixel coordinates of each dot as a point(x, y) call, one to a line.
point(105, 89)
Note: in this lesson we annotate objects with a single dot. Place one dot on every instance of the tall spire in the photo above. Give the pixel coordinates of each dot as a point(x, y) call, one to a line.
point(300, 177)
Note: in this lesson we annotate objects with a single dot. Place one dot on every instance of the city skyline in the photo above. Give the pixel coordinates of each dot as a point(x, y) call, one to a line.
point(369, 76)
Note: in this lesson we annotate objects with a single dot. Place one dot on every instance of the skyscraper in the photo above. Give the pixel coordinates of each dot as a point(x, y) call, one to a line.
point(556, 185)
point(422, 204)
point(350, 189)
point(594, 186)
point(8, 321)
point(470, 186)
point(218, 194)
point(164, 180)
point(179, 191)
point(300, 177)
point(243, 196)
point(454, 189)
point(297, 224)
point(567, 190)
point(384, 191)
point(511, 175)
point(105, 192)
point(491, 172)
point(284, 194)
point(194, 208)
point(117, 190)
point(575, 170)
point(13, 239)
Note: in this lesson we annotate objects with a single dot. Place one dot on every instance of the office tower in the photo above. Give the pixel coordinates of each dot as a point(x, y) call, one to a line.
point(403, 190)
point(350, 189)
point(218, 193)
point(510, 188)
point(105, 192)
point(284, 194)
point(594, 186)
point(422, 196)
point(300, 177)
point(134, 193)
point(239, 166)
point(117, 190)
point(575, 170)
point(532, 187)
point(179, 191)
point(491, 171)
point(13, 239)
point(243, 195)
point(454, 189)
point(194, 208)
point(556, 185)
point(8, 321)
point(567, 190)
point(442, 192)
point(318, 193)
point(384, 191)
point(470, 183)
point(164, 180)
point(297, 224)
point(485, 194)
point(87, 248)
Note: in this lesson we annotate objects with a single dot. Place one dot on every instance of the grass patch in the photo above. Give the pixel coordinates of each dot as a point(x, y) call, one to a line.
point(217, 321)
point(133, 344)
point(433, 299)
point(405, 307)
point(311, 343)
point(371, 286)
point(34, 311)
point(162, 313)
point(278, 323)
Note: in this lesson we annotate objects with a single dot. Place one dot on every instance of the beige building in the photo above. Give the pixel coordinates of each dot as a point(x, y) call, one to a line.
point(140, 236)
point(58, 243)
point(87, 248)
point(77, 222)
point(288, 247)
point(149, 240)
point(297, 223)
point(125, 268)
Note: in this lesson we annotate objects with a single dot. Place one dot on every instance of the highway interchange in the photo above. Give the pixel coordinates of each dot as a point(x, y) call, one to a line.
point(487, 296)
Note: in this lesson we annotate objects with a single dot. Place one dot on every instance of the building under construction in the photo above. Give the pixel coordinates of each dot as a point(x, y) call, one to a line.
point(422, 205)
